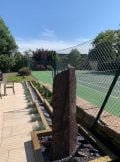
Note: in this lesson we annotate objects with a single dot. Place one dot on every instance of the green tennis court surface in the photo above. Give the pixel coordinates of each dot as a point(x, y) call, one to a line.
point(44, 76)
point(92, 87)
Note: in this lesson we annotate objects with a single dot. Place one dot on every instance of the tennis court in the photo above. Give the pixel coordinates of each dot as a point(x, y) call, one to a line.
point(91, 86)
point(43, 76)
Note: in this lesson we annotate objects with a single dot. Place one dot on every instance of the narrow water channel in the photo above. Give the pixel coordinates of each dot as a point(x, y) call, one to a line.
point(41, 106)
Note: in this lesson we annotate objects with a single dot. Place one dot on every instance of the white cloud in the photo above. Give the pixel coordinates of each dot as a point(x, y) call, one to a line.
point(54, 44)
point(48, 40)
point(39, 43)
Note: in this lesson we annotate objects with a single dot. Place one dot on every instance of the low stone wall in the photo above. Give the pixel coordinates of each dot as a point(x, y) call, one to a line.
point(86, 112)
point(108, 128)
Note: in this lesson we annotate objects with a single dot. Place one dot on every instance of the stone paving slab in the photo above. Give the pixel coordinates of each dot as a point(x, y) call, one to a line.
point(15, 127)
point(15, 155)
point(6, 132)
point(15, 141)
point(1, 123)
point(8, 123)
point(3, 155)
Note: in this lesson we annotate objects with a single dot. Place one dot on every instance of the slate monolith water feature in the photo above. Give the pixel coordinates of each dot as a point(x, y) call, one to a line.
point(64, 124)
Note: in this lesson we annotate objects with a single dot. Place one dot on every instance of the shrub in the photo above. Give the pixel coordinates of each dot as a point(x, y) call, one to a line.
point(49, 67)
point(25, 71)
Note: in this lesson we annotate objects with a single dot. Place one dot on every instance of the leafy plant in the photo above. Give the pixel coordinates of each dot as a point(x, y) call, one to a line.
point(33, 111)
point(39, 127)
point(34, 118)
point(25, 71)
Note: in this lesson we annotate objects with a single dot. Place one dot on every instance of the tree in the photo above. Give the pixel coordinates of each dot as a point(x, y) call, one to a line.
point(6, 63)
point(42, 59)
point(84, 62)
point(27, 57)
point(18, 59)
point(7, 42)
point(74, 58)
point(107, 36)
point(106, 49)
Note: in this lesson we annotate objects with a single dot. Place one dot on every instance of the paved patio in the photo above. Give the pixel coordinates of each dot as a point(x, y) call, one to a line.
point(15, 127)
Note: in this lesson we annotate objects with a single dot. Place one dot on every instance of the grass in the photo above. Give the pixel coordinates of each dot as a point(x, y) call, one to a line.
point(90, 92)
point(16, 78)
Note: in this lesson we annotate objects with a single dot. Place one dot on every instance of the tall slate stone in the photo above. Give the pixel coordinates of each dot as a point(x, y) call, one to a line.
point(64, 114)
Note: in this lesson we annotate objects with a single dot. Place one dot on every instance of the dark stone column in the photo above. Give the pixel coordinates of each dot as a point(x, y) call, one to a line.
point(64, 114)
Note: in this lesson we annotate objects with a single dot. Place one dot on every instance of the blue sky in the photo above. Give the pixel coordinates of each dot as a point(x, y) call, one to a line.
point(58, 24)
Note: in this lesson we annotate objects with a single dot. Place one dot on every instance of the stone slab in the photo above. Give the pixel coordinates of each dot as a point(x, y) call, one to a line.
point(64, 114)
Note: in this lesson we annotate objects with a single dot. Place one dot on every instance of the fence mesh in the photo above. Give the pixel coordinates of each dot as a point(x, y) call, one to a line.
point(96, 66)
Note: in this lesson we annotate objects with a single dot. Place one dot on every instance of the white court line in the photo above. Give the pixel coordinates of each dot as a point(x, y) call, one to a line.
point(96, 90)
point(93, 84)
point(97, 85)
